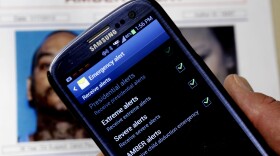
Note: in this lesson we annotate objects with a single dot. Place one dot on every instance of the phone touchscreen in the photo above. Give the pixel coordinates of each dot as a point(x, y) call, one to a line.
point(147, 97)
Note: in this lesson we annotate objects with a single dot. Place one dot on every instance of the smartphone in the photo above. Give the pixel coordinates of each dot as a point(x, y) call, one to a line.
point(139, 88)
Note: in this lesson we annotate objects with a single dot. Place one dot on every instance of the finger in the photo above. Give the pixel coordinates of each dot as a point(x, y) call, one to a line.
point(263, 111)
point(100, 154)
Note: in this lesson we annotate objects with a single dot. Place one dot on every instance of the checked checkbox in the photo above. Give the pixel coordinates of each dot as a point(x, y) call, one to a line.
point(192, 83)
point(206, 102)
point(180, 67)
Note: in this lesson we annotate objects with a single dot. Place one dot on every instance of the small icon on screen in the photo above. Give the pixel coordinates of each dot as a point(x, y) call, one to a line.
point(116, 43)
point(83, 83)
point(133, 31)
point(192, 83)
point(123, 39)
point(105, 52)
point(206, 102)
point(180, 67)
point(69, 79)
point(110, 47)
point(168, 51)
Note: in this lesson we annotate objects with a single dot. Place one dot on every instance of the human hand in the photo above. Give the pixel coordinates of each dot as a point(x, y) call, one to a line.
point(263, 111)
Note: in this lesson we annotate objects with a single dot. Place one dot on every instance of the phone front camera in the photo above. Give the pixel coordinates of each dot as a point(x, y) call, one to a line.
point(132, 14)
point(117, 25)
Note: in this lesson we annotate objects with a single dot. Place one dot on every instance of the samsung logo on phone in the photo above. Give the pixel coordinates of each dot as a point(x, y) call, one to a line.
point(103, 40)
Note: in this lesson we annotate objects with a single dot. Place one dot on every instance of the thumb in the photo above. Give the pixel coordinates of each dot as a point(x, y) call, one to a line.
point(263, 111)
point(99, 154)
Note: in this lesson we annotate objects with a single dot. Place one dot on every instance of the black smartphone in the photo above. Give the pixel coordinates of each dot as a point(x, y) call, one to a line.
point(140, 89)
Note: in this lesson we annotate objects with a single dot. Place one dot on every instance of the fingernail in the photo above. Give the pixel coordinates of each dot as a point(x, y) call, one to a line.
point(243, 83)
